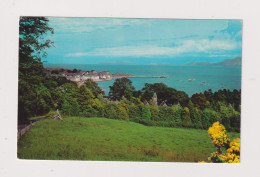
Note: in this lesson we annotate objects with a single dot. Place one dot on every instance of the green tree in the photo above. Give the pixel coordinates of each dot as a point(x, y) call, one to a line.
point(32, 46)
point(186, 122)
point(191, 108)
point(94, 88)
point(66, 108)
point(196, 118)
point(226, 113)
point(154, 112)
point(57, 97)
point(209, 117)
point(111, 111)
point(146, 114)
point(177, 115)
point(75, 108)
point(199, 100)
point(164, 113)
point(43, 102)
point(121, 87)
point(98, 107)
point(70, 91)
point(164, 93)
point(85, 98)
point(123, 111)
point(235, 121)
point(135, 112)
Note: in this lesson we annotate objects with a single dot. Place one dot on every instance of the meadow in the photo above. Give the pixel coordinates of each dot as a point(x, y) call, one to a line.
point(101, 139)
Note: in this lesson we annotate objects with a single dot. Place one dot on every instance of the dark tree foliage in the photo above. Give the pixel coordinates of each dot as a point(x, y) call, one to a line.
point(85, 98)
point(121, 87)
point(111, 111)
point(199, 100)
point(154, 113)
point(94, 88)
point(226, 96)
point(146, 114)
point(177, 112)
point(209, 117)
point(164, 93)
point(32, 46)
point(135, 112)
point(186, 121)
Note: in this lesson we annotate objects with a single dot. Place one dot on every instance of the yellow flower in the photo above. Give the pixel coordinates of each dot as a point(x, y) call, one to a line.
point(220, 139)
point(218, 135)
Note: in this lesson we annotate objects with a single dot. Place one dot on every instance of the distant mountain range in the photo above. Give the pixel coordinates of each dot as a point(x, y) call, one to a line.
point(228, 62)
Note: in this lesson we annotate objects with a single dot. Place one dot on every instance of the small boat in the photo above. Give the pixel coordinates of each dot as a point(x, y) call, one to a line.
point(162, 77)
point(191, 79)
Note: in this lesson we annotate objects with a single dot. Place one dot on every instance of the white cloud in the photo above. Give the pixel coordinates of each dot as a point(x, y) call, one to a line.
point(89, 24)
point(181, 47)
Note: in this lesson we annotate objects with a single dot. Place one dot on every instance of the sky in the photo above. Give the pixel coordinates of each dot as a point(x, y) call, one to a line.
point(143, 41)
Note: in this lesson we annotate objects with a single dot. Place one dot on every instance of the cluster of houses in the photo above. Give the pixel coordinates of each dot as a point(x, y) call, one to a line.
point(80, 76)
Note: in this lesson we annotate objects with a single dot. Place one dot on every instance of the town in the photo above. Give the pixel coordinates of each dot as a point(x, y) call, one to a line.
point(80, 76)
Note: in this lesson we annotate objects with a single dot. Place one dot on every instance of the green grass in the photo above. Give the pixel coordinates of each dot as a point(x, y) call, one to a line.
point(105, 139)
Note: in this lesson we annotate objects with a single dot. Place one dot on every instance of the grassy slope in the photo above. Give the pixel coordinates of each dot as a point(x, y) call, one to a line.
point(106, 139)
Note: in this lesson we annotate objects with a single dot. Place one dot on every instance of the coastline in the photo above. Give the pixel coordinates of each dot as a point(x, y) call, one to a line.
point(80, 76)
point(141, 77)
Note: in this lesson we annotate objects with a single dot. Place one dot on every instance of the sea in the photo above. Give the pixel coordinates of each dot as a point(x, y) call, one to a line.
point(190, 79)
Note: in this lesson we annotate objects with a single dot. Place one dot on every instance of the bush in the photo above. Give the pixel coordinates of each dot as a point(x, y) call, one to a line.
point(123, 111)
point(135, 112)
point(196, 118)
point(154, 113)
point(231, 150)
point(164, 113)
point(177, 112)
point(186, 122)
point(146, 114)
point(66, 108)
point(209, 117)
point(111, 111)
point(75, 108)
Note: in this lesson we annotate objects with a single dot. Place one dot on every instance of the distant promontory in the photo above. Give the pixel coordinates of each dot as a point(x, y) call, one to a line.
point(227, 62)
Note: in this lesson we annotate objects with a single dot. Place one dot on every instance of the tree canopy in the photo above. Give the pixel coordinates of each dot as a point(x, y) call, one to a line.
point(164, 94)
point(95, 89)
point(121, 87)
point(32, 46)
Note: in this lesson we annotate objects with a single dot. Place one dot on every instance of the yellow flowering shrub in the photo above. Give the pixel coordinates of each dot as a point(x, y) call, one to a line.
point(233, 152)
point(218, 135)
point(234, 146)
point(220, 139)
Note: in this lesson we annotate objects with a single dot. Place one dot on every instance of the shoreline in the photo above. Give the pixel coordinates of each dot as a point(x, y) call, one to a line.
point(80, 76)
point(104, 80)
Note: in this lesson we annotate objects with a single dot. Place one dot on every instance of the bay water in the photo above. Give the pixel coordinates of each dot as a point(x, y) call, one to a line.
point(177, 76)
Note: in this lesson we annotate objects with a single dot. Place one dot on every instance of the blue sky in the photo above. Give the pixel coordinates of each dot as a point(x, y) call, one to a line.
point(143, 41)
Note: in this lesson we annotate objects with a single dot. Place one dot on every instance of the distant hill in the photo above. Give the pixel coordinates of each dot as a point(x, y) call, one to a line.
point(230, 62)
point(198, 64)
point(227, 62)
point(117, 63)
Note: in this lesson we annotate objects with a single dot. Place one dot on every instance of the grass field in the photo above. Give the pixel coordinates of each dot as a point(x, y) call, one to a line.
point(105, 139)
